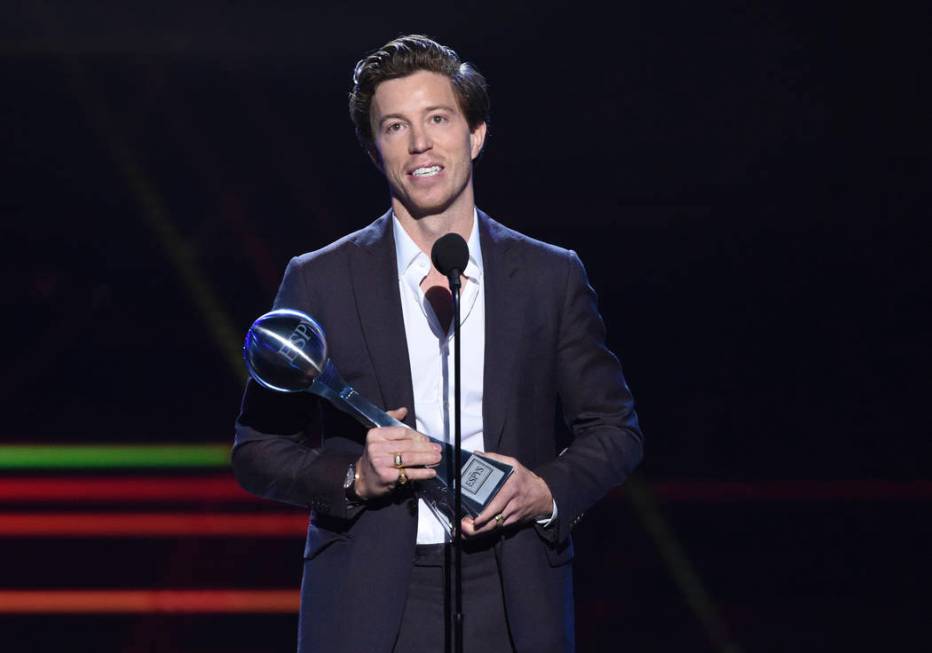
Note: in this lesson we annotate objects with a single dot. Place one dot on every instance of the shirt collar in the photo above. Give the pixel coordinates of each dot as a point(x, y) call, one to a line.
point(407, 251)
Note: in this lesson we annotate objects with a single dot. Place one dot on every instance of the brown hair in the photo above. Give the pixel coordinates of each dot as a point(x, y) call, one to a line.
point(404, 56)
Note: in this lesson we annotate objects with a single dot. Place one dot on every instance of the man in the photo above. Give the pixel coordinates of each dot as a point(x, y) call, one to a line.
point(532, 341)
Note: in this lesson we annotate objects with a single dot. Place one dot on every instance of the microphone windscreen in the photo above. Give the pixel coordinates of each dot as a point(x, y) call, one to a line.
point(450, 253)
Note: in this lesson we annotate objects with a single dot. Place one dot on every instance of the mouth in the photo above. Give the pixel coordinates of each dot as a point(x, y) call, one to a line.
point(426, 171)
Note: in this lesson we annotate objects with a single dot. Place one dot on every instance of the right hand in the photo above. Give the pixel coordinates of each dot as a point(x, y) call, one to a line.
point(377, 474)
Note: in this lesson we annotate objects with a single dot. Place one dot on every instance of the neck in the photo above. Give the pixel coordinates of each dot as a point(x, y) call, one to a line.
point(425, 230)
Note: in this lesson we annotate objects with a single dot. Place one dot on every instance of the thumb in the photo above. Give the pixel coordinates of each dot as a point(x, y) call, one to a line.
point(398, 413)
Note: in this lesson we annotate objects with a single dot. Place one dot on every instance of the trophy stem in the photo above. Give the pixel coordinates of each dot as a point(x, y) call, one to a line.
point(331, 386)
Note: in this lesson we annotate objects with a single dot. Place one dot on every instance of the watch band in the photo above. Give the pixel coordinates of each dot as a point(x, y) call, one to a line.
point(349, 484)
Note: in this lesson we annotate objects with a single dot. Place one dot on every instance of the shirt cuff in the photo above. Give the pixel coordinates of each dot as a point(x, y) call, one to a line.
point(548, 521)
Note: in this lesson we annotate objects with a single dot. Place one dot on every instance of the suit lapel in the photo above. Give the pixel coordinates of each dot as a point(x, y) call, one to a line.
point(502, 327)
point(374, 275)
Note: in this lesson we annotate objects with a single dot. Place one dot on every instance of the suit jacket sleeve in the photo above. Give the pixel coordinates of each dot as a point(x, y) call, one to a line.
point(277, 452)
point(597, 405)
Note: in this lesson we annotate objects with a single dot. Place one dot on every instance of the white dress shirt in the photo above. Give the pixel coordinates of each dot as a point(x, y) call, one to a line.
point(430, 355)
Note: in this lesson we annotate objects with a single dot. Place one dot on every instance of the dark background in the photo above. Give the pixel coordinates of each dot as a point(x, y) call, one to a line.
point(747, 183)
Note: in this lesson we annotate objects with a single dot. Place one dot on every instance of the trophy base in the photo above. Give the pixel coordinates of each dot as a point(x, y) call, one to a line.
point(482, 478)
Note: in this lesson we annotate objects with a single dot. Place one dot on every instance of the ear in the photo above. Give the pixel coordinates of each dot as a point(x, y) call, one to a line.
point(477, 139)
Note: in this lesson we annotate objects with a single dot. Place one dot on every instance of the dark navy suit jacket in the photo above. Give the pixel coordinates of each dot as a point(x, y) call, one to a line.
point(544, 350)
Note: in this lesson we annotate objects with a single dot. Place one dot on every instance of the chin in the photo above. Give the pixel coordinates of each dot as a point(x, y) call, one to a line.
point(422, 209)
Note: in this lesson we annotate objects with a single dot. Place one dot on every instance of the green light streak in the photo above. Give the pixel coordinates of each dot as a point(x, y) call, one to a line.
point(107, 456)
point(681, 569)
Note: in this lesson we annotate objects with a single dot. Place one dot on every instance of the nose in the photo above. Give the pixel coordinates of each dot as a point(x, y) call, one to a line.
point(420, 140)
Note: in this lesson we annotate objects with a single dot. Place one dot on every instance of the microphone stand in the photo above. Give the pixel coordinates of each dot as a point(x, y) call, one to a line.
point(455, 285)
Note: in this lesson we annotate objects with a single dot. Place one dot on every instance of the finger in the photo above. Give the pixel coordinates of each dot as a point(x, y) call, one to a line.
point(406, 448)
point(416, 443)
point(419, 458)
point(390, 476)
point(391, 433)
point(469, 529)
point(512, 518)
point(488, 528)
point(395, 433)
point(408, 459)
point(418, 473)
point(499, 457)
point(398, 413)
point(487, 515)
point(498, 505)
point(492, 524)
point(467, 526)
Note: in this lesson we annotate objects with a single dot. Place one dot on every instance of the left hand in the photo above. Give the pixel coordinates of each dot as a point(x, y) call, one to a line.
point(525, 496)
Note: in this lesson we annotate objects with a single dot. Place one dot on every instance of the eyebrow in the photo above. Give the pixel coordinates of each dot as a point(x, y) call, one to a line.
point(435, 107)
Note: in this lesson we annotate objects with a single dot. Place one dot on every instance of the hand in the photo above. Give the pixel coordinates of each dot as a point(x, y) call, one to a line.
point(376, 472)
point(525, 496)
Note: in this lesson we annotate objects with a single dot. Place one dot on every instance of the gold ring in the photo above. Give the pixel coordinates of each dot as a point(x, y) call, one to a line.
point(499, 519)
point(402, 477)
point(399, 461)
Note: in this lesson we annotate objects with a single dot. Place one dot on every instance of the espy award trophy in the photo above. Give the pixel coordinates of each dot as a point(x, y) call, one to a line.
point(286, 351)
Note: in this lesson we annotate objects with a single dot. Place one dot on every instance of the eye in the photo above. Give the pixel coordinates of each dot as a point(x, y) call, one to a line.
point(438, 118)
point(393, 127)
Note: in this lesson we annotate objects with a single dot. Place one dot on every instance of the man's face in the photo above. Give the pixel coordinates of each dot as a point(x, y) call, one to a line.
point(423, 143)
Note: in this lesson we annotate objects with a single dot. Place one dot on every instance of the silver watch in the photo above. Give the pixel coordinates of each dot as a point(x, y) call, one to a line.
point(349, 485)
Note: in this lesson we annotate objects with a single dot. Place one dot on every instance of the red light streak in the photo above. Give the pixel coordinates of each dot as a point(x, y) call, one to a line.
point(803, 491)
point(138, 489)
point(84, 524)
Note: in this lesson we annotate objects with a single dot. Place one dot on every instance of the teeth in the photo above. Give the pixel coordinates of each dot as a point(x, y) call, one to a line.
point(426, 172)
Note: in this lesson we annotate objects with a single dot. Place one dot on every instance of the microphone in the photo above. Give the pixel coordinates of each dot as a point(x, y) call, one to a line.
point(450, 255)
